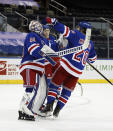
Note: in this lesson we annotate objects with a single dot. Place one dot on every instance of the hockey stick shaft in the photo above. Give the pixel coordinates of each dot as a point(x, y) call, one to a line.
point(69, 51)
point(81, 88)
point(106, 20)
point(100, 73)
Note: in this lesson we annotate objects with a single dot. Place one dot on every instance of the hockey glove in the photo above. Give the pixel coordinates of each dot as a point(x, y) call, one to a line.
point(48, 20)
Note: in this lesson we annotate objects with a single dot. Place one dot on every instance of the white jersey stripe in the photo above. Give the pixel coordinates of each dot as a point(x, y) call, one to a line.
point(71, 65)
point(32, 48)
point(32, 67)
point(69, 70)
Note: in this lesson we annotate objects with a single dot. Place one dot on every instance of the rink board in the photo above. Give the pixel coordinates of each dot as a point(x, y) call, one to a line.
point(9, 71)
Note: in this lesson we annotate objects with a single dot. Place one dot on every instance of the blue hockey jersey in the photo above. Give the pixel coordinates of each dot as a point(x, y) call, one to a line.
point(74, 63)
point(51, 42)
point(31, 57)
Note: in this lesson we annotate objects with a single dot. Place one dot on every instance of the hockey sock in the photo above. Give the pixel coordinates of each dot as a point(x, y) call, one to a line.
point(59, 90)
point(52, 93)
point(63, 98)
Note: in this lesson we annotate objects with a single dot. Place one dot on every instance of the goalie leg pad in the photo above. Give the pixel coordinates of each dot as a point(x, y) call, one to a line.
point(25, 111)
point(41, 95)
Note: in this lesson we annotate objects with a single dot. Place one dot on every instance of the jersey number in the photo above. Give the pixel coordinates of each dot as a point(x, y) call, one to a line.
point(77, 57)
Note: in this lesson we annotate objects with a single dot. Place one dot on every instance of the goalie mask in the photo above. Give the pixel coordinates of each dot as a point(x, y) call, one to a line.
point(35, 26)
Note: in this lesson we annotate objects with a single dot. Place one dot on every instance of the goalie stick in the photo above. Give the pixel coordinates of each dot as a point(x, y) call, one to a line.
point(100, 73)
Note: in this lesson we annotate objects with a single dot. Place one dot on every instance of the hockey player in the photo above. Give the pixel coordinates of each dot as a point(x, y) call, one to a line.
point(32, 65)
point(51, 42)
point(49, 68)
point(71, 65)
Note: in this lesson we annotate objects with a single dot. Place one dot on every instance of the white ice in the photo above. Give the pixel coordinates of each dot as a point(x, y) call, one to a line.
point(91, 112)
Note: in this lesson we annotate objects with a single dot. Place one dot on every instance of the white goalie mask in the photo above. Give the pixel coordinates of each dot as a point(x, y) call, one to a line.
point(36, 26)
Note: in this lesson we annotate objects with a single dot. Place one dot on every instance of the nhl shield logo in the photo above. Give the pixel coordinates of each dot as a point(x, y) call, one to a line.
point(2, 67)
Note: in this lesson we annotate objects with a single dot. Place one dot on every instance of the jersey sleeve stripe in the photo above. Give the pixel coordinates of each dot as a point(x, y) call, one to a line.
point(66, 31)
point(32, 48)
point(92, 59)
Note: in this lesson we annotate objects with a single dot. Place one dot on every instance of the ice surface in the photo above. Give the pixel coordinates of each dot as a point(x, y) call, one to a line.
point(91, 112)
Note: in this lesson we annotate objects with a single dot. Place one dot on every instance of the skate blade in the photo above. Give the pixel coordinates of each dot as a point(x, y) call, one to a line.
point(24, 116)
point(48, 114)
point(27, 119)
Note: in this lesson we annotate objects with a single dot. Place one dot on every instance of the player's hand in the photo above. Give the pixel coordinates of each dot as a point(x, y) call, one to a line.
point(49, 20)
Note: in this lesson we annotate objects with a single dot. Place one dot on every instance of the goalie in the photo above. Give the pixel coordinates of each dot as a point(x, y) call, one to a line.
point(32, 71)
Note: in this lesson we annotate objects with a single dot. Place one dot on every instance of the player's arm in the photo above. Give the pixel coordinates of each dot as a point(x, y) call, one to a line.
point(61, 28)
point(33, 45)
point(92, 55)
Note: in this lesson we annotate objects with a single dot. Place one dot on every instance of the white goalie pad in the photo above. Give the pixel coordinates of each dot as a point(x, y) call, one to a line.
point(41, 95)
point(26, 99)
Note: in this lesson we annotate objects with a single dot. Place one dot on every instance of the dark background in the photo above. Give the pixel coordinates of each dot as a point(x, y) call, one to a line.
point(84, 3)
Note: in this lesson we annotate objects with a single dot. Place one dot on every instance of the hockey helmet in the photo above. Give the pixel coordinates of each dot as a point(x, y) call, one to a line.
point(46, 27)
point(84, 24)
point(36, 26)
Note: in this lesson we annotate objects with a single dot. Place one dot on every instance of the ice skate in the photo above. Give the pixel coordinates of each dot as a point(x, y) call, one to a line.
point(47, 111)
point(56, 112)
point(24, 116)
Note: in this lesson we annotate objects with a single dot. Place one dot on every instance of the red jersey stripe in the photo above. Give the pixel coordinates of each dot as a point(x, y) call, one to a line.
point(30, 49)
point(67, 31)
point(76, 71)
